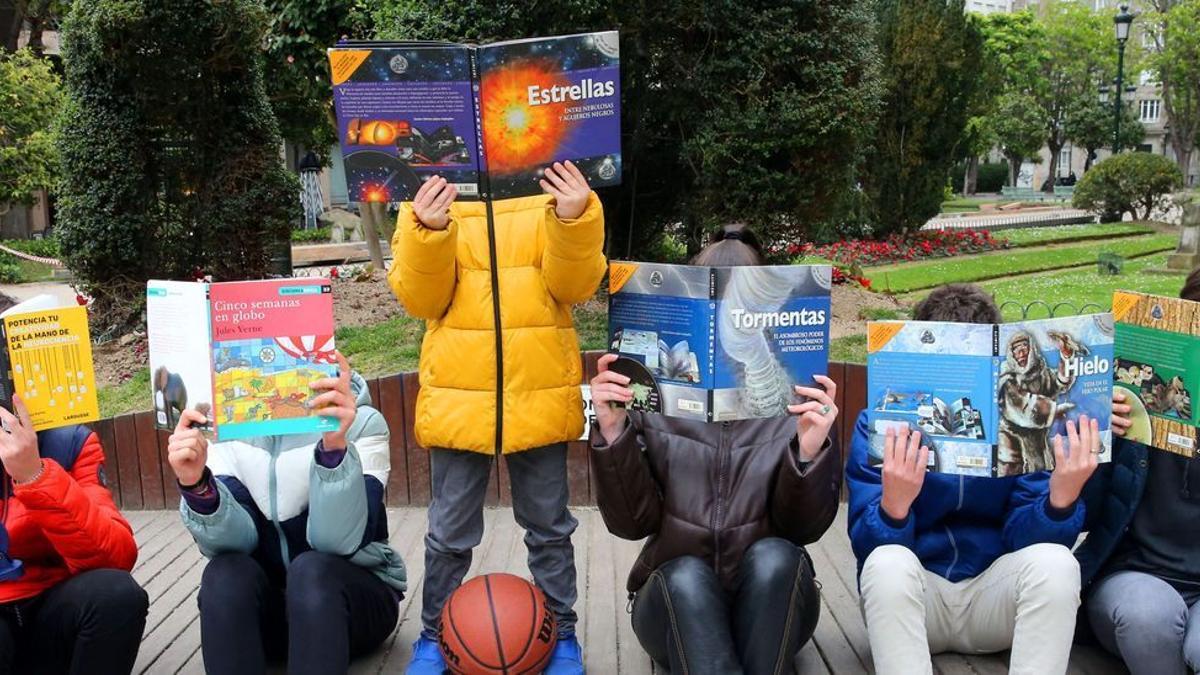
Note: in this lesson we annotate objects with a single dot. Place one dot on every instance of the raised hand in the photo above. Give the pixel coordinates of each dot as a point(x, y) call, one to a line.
point(815, 417)
point(19, 446)
point(1075, 464)
point(432, 203)
point(187, 449)
point(1120, 413)
point(336, 400)
point(608, 390)
point(905, 462)
point(569, 187)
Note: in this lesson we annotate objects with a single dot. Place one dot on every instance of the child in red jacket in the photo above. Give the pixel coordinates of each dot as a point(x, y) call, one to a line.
point(67, 601)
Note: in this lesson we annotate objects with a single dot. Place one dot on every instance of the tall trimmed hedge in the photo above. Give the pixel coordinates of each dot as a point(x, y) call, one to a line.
point(170, 152)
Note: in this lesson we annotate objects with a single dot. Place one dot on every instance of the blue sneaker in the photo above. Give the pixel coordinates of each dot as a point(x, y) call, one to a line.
point(426, 658)
point(567, 658)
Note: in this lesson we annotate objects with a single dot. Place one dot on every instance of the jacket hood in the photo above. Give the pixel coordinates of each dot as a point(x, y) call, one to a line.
point(360, 390)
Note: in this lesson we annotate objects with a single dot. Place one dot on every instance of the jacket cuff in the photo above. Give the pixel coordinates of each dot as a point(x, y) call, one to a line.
point(576, 238)
point(891, 531)
point(339, 471)
point(49, 487)
point(598, 442)
point(429, 251)
point(1060, 515)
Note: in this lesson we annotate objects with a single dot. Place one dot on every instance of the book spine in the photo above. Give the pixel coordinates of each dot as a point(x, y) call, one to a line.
point(713, 308)
point(7, 384)
point(995, 402)
point(485, 183)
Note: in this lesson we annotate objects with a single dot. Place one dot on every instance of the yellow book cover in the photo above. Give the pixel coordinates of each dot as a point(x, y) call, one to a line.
point(50, 365)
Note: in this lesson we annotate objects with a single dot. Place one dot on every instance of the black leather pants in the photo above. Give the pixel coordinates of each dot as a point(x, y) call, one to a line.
point(689, 624)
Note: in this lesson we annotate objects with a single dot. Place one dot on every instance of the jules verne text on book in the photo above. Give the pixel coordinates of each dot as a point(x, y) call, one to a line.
point(48, 363)
point(989, 399)
point(1158, 367)
point(244, 354)
point(489, 119)
point(718, 343)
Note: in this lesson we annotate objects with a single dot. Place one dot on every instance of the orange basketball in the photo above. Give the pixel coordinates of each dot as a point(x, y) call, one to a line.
point(497, 624)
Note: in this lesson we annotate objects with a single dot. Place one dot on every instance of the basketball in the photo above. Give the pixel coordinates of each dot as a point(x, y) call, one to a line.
point(497, 624)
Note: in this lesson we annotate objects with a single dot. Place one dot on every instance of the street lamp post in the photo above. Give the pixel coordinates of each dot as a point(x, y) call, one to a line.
point(1121, 21)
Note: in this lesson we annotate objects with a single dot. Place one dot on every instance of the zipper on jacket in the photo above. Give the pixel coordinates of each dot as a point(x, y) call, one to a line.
point(491, 230)
point(272, 484)
point(723, 452)
point(953, 545)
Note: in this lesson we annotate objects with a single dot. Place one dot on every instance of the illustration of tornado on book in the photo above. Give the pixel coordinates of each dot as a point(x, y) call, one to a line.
point(718, 343)
point(989, 399)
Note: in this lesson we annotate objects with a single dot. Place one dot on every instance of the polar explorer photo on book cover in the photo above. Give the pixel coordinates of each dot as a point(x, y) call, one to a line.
point(1038, 392)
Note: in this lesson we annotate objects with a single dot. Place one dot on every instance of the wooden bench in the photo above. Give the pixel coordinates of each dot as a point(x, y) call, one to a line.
point(169, 567)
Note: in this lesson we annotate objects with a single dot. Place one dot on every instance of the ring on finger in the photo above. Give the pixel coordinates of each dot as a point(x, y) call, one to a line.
point(825, 409)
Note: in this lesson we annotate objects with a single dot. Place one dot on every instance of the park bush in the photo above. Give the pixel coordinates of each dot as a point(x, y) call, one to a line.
point(920, 245)
point(318, 235)
point(170, 151)
point(989, 177)
point(1137, 183)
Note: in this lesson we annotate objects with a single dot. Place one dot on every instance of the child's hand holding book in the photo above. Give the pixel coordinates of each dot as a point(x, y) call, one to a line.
point(432, 203)
point(569, 187)
point(336, 400)
point(19, 443)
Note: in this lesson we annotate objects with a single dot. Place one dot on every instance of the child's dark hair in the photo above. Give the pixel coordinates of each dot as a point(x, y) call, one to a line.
point(734, 245)
point(1191, 287)
point(961, 303)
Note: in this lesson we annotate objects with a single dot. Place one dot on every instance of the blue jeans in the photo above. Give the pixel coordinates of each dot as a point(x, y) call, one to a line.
point(1153, 627)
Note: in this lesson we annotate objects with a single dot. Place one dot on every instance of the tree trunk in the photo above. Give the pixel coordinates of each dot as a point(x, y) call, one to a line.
point(1052, 175)
point(1183, 157)
point(971, 176)
point(372, 214)
point(1087, 163)
point(1014, 168)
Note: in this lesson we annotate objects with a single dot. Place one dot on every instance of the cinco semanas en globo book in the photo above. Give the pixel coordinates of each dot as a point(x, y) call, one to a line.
point(1158, 368)
point(718, 343)
point(47, 361)
point(487, 118)
point(242, 353)
point(989, 399)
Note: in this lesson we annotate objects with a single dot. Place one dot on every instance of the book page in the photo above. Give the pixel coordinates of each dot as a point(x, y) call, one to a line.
point(180, 366)
point(660, 322)
point(271, 341)
point(405, 113)
point(1051, 371)
point(1157, 352)
point(772, 333)
point(548, 100)
point(50, 354)
point(936, 378)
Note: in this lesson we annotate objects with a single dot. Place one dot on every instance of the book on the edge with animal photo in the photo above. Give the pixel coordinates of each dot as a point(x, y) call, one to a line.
point(243, 353)
point(1158, 365)
point(988, 399)
point(718, 343)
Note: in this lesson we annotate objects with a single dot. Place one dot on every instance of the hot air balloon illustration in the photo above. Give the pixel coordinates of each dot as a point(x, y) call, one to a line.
point(312, 348)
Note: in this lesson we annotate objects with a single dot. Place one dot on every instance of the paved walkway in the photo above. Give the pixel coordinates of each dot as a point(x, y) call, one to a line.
point(169, 567)
point(997, 220)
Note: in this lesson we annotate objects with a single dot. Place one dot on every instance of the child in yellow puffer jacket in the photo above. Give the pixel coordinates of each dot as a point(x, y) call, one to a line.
point(500, 374)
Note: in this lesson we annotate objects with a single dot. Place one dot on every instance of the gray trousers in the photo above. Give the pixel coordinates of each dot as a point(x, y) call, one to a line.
point(1149, 624)
point(539, 494)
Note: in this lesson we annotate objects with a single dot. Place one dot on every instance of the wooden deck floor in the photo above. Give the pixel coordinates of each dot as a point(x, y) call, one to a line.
point(169, 567)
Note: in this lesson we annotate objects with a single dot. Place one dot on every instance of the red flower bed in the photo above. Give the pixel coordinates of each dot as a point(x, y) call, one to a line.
point(855, 253)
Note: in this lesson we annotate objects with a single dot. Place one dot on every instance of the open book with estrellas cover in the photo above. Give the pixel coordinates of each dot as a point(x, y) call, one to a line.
point(989, 399)
point(489, 119)
point(1158, 367)
point(718, 343)
point(242, 353)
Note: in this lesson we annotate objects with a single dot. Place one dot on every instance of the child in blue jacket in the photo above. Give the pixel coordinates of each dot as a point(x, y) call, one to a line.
point(966, 564)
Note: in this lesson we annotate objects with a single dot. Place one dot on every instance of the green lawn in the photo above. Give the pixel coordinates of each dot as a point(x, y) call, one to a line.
point(849, 349)
point(1035, 236)
point(1084, 286)
point(904, 278)
point(132, 396)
